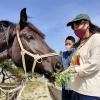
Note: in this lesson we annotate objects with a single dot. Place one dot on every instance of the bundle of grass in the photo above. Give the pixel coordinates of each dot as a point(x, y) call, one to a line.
point(61, 78)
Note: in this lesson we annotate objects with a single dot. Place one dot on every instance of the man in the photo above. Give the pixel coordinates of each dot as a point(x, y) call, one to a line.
point(66, 59)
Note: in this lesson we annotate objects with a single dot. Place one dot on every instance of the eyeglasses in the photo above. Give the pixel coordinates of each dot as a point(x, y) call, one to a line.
point(79, 22)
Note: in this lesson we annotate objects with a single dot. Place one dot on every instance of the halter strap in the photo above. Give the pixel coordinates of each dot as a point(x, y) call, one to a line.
point(35, 56)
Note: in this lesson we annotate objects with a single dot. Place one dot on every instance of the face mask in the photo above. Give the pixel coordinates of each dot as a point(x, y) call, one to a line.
point(69, 48)
point(80, 32)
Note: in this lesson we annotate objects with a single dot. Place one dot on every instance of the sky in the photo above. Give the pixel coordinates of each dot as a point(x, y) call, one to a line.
point(51, 16)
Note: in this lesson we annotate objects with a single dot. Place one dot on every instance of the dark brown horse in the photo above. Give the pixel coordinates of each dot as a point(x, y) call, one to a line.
point(32, 40)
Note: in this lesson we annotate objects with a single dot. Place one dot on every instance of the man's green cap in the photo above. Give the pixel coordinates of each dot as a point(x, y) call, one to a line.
point(79, 17)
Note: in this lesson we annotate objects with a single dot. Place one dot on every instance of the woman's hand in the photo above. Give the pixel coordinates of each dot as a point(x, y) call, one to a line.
point(72, 69)
point(63, 72)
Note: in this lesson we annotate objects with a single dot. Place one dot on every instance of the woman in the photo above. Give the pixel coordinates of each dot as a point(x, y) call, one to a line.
point(86, 59)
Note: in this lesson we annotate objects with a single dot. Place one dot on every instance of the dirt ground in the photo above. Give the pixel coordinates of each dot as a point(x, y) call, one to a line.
point(38, 90)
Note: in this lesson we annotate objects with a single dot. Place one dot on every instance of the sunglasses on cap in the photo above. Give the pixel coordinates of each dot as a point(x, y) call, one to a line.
point(79, 22)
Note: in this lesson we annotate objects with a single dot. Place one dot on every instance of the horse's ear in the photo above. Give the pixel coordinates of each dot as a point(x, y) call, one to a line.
point(23, 18)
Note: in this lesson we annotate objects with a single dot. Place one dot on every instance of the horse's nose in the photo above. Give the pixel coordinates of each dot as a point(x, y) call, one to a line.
point(58, 67)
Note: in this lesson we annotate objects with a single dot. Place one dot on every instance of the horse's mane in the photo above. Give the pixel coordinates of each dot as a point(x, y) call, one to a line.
point(36, 30)
point(5, 24)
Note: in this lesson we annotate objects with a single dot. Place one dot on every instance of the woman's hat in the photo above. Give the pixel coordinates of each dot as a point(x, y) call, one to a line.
point(79, 17)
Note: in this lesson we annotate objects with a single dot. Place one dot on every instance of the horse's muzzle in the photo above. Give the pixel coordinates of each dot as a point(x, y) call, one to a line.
point(58, 67)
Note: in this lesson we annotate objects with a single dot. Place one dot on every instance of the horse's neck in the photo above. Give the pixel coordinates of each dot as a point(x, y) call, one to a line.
point(3, 42)
point(5, 35)
point(3, 46)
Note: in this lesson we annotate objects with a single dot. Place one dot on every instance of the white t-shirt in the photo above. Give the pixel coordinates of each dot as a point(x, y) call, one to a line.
point(87, 80)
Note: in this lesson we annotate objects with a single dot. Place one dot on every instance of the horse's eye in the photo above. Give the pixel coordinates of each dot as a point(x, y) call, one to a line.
point(29, 37)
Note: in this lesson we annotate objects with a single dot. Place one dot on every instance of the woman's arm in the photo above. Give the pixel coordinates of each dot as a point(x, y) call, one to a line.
point(72, 69)
point(92, 65)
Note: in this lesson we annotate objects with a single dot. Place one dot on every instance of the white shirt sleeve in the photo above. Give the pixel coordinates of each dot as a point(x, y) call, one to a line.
point(92, 65)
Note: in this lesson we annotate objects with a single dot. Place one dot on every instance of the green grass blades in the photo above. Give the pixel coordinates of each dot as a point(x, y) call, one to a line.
point(67, 77)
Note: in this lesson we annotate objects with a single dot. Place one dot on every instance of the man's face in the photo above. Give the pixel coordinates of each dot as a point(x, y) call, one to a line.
point(69, 42)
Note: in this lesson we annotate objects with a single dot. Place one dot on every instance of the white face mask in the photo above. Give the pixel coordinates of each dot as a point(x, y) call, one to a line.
point(69, 48)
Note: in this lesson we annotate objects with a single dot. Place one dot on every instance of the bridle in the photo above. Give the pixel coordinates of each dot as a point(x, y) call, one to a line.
point(35, 56)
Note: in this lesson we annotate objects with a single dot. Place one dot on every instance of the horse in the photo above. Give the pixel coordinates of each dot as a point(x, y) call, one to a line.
point(32, 40)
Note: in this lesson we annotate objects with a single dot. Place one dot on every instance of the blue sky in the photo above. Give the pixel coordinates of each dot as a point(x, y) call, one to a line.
point(51, 16)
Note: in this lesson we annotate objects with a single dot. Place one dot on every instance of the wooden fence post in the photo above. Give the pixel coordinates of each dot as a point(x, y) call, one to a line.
point(7, 96)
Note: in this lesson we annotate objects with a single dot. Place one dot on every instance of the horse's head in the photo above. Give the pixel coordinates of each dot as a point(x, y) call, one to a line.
point(33, 41)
